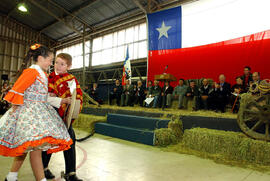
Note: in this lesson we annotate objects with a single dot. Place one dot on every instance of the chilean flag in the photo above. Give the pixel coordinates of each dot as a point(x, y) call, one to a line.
point(126, 69)
point(171, 43)
point(164, 29)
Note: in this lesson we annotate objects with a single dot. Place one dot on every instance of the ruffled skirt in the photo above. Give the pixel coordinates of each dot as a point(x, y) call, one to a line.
point(32, 126)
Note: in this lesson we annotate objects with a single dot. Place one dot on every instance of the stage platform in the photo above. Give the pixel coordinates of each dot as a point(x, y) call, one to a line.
point(202, 119)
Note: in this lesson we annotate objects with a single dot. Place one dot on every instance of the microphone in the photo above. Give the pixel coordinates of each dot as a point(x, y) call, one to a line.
point(165, 69)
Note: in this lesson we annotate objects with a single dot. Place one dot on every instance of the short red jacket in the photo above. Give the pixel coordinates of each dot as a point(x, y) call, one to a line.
point(58, 84)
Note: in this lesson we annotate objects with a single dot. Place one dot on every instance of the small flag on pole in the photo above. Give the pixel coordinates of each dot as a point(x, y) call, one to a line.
point(126, 69)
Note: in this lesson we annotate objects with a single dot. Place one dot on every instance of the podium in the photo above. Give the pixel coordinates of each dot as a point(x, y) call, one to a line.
point(165, 77)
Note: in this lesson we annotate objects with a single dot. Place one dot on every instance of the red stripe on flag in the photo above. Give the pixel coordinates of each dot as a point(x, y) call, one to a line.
point(209, 61)
point(124, 76)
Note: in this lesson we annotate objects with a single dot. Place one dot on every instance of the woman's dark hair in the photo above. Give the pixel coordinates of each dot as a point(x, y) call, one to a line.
point(33, 53)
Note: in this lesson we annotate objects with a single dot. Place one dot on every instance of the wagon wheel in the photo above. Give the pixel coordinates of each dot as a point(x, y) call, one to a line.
point(254, 118)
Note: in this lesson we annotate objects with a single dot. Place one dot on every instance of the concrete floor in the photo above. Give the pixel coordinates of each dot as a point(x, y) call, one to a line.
point(103, 158)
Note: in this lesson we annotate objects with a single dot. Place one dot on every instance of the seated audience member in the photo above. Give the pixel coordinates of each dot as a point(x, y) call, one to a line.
point(86, 89)
point(166, 94)
point(139, 93)
point(179, 92)
point(156, 91)
point(4, 105)
point(253, 88)
point(193, 93)
point(4, 90)
point(236, 90)
point(220, 95)
point(247, 77)
point(116, 93)
point(133, 95)
point(147, 92)
point(149, 88)
point(127, 94)
point(94, 93)
point(238, 87)
point(256, 77)
point(205, 91)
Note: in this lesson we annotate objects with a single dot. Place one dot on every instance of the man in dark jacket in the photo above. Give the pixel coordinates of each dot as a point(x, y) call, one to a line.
point(94, 93)
point(166, 94)
point(193, 94)
point(116, 93)
point(247, 77)
point(139, 93)
point(205, 91)
point(127, 94)
point(155, 92)
point(220, 95)
point(236, 90)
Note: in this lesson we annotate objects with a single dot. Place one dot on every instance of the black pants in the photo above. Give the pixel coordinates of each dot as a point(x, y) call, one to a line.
point(139, 100)
point(69, 155)
point(115, 96)
point(218, 103)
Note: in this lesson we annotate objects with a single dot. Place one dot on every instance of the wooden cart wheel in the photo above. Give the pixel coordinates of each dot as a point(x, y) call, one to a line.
point(254, 117)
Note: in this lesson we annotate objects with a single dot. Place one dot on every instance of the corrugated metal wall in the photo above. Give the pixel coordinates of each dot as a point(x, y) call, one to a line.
point(15, 40)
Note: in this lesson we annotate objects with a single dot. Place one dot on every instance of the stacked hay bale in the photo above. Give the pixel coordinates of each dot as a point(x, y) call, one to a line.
point(170, 135)
point(231, 145)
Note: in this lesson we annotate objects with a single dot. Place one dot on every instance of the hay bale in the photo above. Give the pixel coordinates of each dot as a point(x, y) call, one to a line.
point(170, 135)
point(164, 137)
point(169, 111)
point(86, 122)
point(176, 125)
point(231, 145)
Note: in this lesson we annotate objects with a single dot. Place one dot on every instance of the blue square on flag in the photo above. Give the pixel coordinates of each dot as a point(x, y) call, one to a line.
point(164, 29)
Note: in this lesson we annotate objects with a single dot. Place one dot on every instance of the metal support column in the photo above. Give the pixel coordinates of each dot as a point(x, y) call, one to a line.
point(83, 47)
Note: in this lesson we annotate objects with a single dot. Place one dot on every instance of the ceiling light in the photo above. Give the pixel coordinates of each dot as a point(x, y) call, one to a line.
point(22, 7)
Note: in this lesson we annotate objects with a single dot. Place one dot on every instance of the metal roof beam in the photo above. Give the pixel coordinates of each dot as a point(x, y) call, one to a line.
point(53, 15)
point(153, 5)
point(138, 3)
point(72, 13)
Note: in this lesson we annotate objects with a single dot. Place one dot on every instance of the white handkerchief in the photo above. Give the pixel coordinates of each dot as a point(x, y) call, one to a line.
point(72, 86)
point(149, 100)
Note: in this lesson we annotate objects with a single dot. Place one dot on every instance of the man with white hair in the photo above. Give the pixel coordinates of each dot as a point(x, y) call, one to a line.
point(256, 77)
point(220, 95)
point(139, 93)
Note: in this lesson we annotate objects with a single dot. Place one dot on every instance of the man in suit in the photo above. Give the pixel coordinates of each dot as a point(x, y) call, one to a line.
point(94, 93)
point(139, 93)
point(205, 90)
point(247, 77)
point(193, 93)
point(115, 93)
point(127, 94)
point(156, 91)
point(256, 77)
point(220, 95)
point(166, 94)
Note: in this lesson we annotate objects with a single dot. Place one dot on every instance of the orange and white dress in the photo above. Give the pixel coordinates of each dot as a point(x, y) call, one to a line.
point(35, 124)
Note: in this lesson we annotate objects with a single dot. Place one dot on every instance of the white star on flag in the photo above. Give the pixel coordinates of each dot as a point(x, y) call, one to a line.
point(163, 30)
